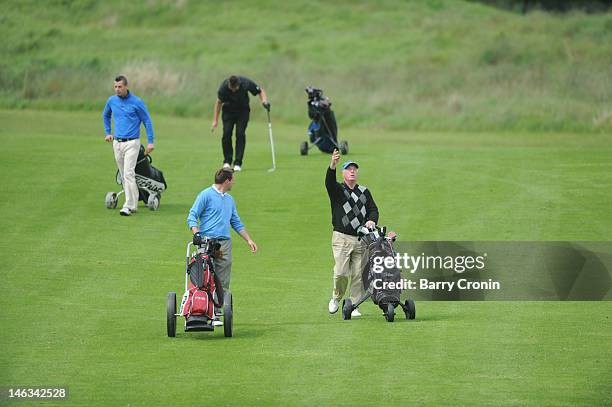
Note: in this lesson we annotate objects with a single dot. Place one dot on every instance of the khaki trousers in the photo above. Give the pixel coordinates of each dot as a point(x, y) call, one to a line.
point(223, 269)
point(348, 253)
point(126, 155)
point(223, 266)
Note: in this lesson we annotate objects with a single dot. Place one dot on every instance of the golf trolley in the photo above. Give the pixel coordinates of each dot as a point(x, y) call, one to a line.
point(150, 181)
point(203, 293)
point(323, 129)
point(380, 245)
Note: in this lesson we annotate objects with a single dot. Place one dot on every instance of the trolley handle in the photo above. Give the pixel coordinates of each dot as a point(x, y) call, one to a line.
point(206, 242)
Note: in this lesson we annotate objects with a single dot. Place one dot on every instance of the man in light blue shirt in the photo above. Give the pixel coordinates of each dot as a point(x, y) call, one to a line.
point(128, 112)
point(212, 215)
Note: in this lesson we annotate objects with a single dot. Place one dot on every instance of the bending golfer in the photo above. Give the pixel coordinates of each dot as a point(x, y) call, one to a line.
point(352, 206)
point(128, 112)
point(233, 95)
point(211, 215)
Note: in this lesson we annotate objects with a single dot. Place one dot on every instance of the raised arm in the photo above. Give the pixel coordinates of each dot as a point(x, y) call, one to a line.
point(332, 186)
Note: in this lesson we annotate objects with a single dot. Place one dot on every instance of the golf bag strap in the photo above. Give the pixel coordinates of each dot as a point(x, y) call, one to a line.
point(212, 299)
point(200, 264)
point(191, 294)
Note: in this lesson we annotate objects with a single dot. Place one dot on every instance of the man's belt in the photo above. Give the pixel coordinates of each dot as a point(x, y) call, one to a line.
point(123, 140)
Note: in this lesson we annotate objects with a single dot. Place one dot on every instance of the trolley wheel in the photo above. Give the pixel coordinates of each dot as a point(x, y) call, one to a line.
point(153, 202)
point(111, 200)
point(410, 309)
point(344, 149)
point(304, 148)
point(228, 314)
point(390, 312)
point(171, 314)
point(347, 308)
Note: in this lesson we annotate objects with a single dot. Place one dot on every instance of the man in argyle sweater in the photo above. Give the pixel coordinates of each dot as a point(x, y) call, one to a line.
point(352, 206)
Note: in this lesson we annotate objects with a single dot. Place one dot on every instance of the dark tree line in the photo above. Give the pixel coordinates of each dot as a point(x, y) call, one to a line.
point(559, 6)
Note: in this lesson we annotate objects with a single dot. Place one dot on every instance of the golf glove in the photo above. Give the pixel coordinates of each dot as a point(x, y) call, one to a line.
point(266, 105)
point(197, 239)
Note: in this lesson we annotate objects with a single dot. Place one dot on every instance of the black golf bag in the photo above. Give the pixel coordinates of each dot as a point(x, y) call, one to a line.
point(323, 128)
point(376, 276)
point(378, 247)
point(150, 181)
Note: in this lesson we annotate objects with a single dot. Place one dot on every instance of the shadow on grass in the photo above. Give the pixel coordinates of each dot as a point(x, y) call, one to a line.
point(241, 333)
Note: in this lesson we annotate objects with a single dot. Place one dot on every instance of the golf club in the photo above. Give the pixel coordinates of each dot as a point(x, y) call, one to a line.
point(271, 144)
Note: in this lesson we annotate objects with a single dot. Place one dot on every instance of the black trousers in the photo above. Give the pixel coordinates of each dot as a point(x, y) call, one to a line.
point(240, 120)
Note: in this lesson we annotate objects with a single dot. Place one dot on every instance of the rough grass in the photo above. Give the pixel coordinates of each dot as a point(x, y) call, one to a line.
point(402, 65)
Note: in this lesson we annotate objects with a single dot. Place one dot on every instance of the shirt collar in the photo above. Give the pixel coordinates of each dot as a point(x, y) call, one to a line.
point(219, 192)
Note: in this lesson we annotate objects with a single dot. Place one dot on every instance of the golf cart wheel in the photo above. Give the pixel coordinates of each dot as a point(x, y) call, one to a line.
point(304, 148)
point(344, 149)
point(410, 309)
point(153, 202)
point(171, 314)
point(347, 308)
point(228, 314)
point(390, 312)
point(111, 200)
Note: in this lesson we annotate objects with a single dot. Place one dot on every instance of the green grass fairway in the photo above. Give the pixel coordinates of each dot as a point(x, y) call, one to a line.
point(84, 289)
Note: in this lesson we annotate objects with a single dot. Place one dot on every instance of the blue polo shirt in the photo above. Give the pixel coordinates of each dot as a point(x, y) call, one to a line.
point(128, 113)
point(214, 212)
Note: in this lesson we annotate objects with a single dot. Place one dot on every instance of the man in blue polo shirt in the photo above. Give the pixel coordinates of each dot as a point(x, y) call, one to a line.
point(128, 112)
point(211, 215)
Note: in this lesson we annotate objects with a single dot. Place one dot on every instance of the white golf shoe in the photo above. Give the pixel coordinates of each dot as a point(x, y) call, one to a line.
point(217, 322)
point(226, 166)
point(333, 306)
point(356, 313)
point(237, 168)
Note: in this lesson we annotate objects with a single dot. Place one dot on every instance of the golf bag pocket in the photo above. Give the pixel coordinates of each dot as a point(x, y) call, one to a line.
point(198, 302)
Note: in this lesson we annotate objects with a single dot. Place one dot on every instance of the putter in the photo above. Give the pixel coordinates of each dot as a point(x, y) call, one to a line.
point(271, 144)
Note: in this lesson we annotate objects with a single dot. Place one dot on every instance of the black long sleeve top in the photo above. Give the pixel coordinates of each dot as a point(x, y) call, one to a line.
point(351, 208)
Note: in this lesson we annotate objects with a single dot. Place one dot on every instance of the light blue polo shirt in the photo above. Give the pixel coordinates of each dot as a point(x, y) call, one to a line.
point(214, 212)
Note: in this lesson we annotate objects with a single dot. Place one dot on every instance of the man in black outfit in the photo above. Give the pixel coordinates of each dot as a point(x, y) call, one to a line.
point(233, 95)
point(352, 206)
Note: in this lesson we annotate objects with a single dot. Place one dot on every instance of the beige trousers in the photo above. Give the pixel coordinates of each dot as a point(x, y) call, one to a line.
point(223, 266)
point(348, 254)
point(126, 156)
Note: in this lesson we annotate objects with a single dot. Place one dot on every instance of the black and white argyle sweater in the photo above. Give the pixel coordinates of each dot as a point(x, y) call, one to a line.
point(351, 208)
